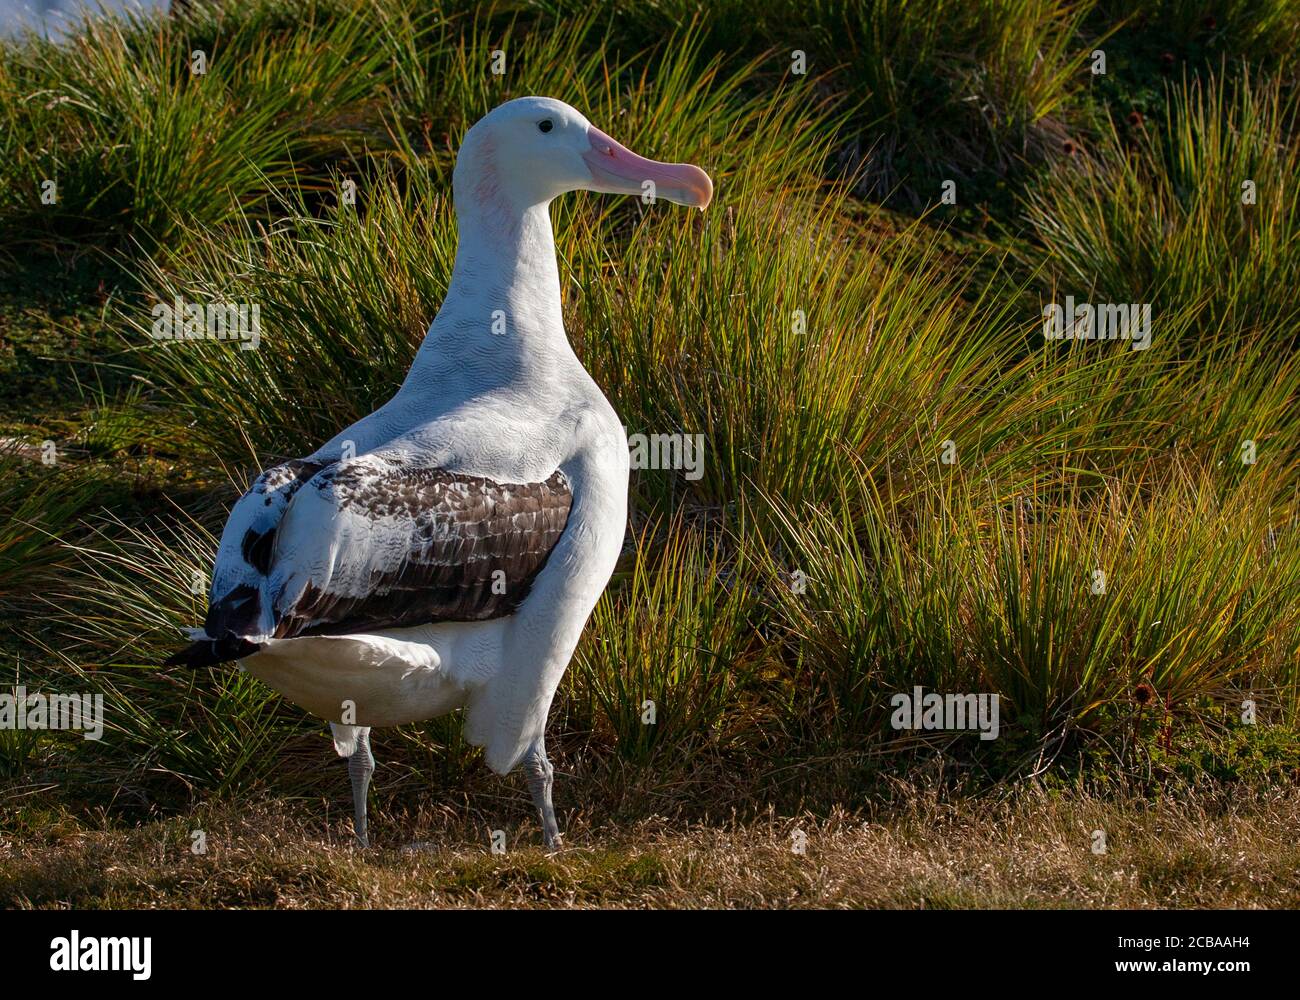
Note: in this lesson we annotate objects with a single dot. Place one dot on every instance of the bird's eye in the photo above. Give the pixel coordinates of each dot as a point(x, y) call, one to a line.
point(546, 124)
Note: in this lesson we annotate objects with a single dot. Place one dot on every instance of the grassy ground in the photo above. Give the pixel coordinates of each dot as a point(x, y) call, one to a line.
point(1032, 851)
point(1106, 538)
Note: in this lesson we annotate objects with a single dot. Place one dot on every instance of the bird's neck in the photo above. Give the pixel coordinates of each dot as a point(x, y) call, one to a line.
point(505, 263)
point(501, 323)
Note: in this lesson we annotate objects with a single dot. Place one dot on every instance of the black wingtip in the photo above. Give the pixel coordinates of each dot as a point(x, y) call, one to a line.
point(211, 652)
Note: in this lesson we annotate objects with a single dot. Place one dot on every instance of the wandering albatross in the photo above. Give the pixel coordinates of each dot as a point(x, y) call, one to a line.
point(445, 551)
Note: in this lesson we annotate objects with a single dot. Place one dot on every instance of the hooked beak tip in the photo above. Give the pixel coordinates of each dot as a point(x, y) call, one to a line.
point(618, 170)
point(706, 190)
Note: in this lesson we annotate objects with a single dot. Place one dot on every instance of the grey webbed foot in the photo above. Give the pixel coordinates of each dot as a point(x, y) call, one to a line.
point(540, 779)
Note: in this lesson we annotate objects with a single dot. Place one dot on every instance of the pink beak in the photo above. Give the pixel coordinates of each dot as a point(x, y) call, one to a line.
point(615, 169)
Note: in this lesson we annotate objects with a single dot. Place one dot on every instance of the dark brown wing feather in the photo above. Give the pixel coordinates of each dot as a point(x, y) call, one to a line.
point(471, 551)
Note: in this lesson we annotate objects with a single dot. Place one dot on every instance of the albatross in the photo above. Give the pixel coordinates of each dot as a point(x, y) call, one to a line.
point(446, 551)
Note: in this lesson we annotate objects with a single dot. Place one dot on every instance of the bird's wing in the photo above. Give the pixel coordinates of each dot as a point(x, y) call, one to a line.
point(247, 544)
point(376, 542)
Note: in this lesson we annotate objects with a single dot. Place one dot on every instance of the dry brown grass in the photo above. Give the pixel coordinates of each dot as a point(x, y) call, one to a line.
point(1193, 850)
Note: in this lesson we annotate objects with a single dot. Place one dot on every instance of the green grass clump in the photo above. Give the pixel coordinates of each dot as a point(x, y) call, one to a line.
point(1063, 602)
point(139, 145)
point(673, 651)
point(37, 504)
point(1199, 211)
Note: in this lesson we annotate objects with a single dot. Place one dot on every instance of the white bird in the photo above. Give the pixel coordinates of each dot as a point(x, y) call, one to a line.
point(445, 551)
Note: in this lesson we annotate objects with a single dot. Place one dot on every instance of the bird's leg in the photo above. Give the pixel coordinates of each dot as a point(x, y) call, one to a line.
point(540, 774)
point(361, 765)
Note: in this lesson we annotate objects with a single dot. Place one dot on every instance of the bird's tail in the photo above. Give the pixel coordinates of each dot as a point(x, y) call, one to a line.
point(210, 652)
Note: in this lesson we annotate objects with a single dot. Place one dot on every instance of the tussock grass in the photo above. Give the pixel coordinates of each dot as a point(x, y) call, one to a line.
point(1063, 604)
point(1160, 212)
point(37, 503)
point(672, 656)
point(1266, 32)
point(140, 146)
point(962, 91)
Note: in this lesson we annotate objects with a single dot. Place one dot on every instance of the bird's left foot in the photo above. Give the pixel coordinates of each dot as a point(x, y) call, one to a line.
point(540, 780)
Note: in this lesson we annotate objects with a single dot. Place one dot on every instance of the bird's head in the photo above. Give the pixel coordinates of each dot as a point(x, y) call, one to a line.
point(533, 149)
